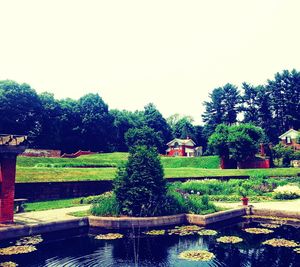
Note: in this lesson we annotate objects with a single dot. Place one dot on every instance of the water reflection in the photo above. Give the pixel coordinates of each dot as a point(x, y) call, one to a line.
point(162, 251)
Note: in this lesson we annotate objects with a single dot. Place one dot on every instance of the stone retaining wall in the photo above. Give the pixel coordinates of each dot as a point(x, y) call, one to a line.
point(59, 190)
point(130, 222)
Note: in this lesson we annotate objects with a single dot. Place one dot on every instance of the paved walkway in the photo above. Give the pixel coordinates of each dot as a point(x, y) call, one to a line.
point(290, 205)
point(55, 215)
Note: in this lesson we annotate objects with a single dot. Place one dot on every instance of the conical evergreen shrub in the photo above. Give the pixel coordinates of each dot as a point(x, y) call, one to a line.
point(140, 187)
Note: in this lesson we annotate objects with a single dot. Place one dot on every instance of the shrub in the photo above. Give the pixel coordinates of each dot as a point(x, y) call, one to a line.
point(200, 205)
point(94, 199)
point(140, 186)
point(107, 206)
point(287, 192)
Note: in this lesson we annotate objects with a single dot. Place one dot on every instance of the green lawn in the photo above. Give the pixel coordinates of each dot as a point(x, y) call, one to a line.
point(52, 204)
point(34, 174)
point(114, 159)
point(105, 159)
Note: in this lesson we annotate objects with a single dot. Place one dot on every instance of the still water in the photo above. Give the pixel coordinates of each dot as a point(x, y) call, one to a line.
point(62, 250)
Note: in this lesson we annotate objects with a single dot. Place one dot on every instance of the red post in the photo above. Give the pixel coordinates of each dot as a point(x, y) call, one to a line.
point(7, 189)
point(262, 150)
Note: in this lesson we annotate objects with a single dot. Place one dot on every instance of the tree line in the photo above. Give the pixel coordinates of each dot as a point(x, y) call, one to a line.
point(89, 124)
point(86, 123)
point(275, 106)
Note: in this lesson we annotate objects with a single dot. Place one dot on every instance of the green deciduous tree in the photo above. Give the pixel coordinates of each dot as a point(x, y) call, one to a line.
point(123, 121)
point(145, 136)
point(49, 135)
point(20, 108)
point(156, 121)
point(96, 123)
point(237, 142)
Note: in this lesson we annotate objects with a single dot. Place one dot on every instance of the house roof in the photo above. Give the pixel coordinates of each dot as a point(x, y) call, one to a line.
point(181, 141)
point(290, 131)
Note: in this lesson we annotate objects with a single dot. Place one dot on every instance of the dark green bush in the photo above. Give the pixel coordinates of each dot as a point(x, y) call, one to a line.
point(140, 186)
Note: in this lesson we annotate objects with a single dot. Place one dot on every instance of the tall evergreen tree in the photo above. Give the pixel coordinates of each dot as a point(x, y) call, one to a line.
point(223, 107)
point(184, 128)
point(257, 108)
point(212, 115)
point(230, 104)
point(285, 98)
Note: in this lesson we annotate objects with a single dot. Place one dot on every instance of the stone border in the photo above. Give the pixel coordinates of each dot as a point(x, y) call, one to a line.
point(276, 213)
point(216, 217)
point(130, 222)
point(15, 231)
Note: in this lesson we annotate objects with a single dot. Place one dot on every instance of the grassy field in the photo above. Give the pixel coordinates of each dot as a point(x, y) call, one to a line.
point(100, 160)
point(34, 174)
point(114, 159)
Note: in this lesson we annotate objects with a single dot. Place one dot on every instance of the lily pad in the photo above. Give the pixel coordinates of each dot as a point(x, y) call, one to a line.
point(196, 255)
point(155, 232)
point(270, 225)
point(207, 232)
point(281, 242)
point(229, 239)
point(29, 240)
point(258, 231)
point(109, 236)
point(185, 230)
point(8, 264)
point(17, 250)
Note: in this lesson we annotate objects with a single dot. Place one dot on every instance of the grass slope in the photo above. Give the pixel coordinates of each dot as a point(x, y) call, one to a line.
point(114, 159)
point(33, 174)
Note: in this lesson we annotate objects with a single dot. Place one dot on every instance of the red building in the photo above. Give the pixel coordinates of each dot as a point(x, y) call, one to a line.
point(183, 148)
point(291, 138)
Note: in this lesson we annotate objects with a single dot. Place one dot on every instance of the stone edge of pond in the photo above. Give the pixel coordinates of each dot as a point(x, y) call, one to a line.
point(118, 223)
point(15, 231)
point(275, 213)
point(129, 222)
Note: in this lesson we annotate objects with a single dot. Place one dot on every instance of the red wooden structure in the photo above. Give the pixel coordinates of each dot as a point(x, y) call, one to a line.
point(10, 147)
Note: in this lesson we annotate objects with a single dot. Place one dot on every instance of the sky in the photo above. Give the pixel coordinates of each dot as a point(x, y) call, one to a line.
point(168, 52)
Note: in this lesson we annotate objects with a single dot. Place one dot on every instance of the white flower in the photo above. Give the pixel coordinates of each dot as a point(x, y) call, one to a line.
point(287, 190)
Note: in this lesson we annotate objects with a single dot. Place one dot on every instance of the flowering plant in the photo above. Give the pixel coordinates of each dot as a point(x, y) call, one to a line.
point(287, 192)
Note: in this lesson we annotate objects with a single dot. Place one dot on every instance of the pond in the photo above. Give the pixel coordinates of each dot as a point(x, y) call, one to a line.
point(139, 249)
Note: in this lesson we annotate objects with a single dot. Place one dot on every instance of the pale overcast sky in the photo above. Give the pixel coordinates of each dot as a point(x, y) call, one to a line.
point(171, 53)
